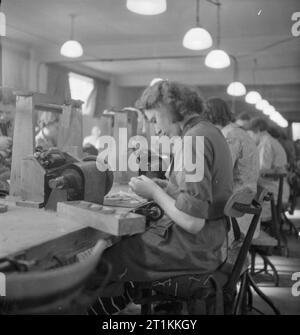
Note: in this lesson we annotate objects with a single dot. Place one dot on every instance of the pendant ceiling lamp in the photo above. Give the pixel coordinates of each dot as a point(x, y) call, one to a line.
point(269, 110)
point(147, 7)
point(279, 119)
point(218, 58)
point(2, 22)
point(253, 96)
point(236, 88)
point(197, 38)
point(72, 48)
point(262, 105)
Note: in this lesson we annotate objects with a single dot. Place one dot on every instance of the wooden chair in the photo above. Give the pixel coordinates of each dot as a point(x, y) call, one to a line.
point(271, 238)
point(54, 291)
point(214, 293)
point(264, 244)
point(283, 207)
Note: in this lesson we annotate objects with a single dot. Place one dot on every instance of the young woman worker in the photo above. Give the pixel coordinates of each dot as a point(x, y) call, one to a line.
point(192, 236)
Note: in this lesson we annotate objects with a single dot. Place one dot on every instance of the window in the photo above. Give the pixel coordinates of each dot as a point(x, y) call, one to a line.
point(296, 130)
point(81, 88)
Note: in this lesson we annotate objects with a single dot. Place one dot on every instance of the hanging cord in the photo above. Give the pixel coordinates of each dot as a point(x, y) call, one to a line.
point(198, 13)
point(235, 68)
point(218, 25)
point(254, 71)
point(73, 16)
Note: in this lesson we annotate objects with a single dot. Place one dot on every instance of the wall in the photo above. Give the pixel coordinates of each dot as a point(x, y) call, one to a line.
point(22, 70)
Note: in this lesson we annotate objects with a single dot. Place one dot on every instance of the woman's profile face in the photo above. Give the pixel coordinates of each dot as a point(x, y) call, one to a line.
point(161, 117)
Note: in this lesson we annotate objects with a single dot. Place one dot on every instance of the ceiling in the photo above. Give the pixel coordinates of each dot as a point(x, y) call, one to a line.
point(108, 30)
point(135, 48)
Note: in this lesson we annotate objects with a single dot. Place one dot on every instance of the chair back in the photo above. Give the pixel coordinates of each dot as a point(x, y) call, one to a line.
point(241, 203)
point(280, 177)
point(39, 292)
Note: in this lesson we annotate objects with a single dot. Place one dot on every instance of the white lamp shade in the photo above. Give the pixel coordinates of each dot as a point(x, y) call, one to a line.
point(71, 49)
point(279, 119)
point(253, 97)
point(147, 7)
point(236, 89)
point(262, 104)
point(217, 59)
point(2, 24)
point(197, 39)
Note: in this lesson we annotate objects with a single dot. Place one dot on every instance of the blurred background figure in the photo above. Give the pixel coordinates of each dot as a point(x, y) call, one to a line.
point(7, 113)
point(243, 120)
point(94, 138)
point(272, 159)
point(46, 137)
point(243, 150)
point(89, 150)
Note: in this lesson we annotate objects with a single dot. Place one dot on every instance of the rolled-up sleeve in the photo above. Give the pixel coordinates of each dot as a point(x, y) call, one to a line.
point(195, 197)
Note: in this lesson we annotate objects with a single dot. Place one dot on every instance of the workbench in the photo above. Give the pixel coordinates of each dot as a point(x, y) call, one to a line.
point(33, 229)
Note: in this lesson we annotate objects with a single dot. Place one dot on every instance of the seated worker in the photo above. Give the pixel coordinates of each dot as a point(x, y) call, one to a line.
point(94, 138)
point(243, 120)
point(192, 236)
point(89, 150)
point(243, 151)
point(46, 138)
point(272, 159)
point(7, 113)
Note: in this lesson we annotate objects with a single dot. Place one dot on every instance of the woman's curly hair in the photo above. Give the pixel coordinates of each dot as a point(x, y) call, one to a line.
point(181, 100)
point(217, 112)
point(259, 124)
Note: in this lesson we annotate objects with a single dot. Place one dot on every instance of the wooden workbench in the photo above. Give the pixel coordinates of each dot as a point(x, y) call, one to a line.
point(24, 228)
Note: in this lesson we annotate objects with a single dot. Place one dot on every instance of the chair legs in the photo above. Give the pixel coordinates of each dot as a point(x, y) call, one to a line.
point(239, 305)
point(267, 300)
point(244, 300)
point(292, 228)
point(267, 263)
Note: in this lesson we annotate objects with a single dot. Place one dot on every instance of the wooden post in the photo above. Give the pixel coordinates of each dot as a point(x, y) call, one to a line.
point(124, 119)
point(23, 141)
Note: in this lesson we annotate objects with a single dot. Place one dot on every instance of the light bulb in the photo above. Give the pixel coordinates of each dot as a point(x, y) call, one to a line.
point(147, 7)
point(71, 49)
point(262, 104)
point(197, 39)
point(217, 59)
point(236, 89)
point(253, 97)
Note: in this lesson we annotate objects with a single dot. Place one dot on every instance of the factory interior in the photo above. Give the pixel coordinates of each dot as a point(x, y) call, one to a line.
point(150, 157)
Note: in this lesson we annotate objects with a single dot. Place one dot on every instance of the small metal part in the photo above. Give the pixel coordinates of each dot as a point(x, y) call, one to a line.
point(57, 183)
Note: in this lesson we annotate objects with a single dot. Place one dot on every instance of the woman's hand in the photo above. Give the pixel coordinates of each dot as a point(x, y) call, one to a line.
point(143, 186)
point(163, 183)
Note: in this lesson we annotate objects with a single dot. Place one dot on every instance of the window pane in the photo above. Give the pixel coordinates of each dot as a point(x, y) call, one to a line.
point(81, 87)
point(296, 130)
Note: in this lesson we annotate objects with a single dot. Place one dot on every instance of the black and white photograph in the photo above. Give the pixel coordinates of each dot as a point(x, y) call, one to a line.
point(149, 161)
